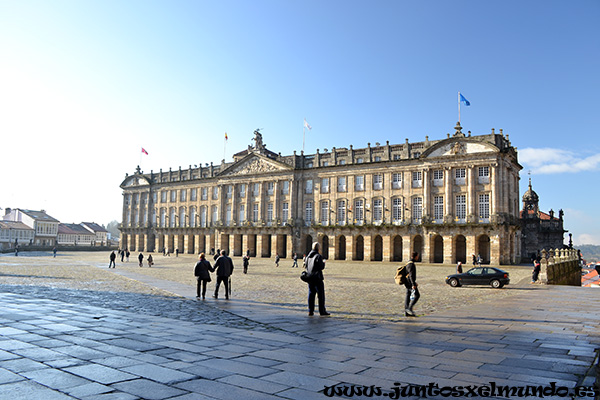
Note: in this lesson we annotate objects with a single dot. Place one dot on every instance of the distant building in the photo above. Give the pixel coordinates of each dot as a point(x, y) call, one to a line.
point(45, 227)
point(101, 234)
point(446, 199)
point(539, 230)
point(74, 235)
point(15, 233)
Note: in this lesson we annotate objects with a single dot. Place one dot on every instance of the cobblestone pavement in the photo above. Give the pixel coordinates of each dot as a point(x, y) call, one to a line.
point(71, 328)
point(357, 290)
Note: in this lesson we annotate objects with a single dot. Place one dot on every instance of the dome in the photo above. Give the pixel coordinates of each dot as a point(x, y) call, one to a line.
point(530, 195)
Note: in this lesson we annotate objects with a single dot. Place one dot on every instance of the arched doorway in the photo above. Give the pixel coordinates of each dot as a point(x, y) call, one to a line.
point(418, 246)
point(460, 253)
point(325, 247)
point(397, 251)
point(377, 248)
point(308, 241)
point(341, 248)
point(438, 249)
point(359, 253)
point(483, 248)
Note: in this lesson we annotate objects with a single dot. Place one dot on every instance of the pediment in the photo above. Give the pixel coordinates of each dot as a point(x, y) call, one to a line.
point(135, 180)
point(255, 164)
point(454, 147)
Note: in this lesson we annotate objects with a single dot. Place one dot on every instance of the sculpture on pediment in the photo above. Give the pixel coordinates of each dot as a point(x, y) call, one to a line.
point(254, 166)
point(458, 148)
point(258, 141)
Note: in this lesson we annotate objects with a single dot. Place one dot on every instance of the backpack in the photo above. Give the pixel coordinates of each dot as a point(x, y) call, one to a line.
point(400, 277)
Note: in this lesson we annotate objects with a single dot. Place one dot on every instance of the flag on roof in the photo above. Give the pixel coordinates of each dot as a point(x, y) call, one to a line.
point(144, 151)
point(464, 101)
point(306, 125)
point(226, 138)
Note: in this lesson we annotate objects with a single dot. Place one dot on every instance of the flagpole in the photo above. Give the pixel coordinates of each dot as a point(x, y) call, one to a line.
point(459, 108)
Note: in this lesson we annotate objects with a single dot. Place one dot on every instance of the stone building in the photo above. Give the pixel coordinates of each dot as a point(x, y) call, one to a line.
point(446, 199)
point(45, 227)
point(539, 230)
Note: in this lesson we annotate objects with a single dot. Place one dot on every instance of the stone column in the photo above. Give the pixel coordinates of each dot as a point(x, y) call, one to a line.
point(259, 244)
point(426, 193)
point(472, 213)
point(186, 245)
point(449, 250)
point(368, 248)
point(349, 247)
point(244, 244)
point(406, 247)
point(274, 249)
point(387, 244)
point(448, 214)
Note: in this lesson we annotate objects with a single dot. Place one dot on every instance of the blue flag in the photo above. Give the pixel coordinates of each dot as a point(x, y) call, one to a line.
point(464, 101)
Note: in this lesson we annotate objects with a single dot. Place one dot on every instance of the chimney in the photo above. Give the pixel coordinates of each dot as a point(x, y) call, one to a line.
point(7, 211)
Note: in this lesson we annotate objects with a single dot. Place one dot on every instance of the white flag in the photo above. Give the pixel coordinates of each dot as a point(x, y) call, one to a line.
point(306, 125)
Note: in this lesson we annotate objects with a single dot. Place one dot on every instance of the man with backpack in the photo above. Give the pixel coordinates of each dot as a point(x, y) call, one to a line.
point(412, 289)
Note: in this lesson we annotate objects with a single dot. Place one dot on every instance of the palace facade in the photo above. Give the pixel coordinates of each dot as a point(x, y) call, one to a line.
point(446, 199)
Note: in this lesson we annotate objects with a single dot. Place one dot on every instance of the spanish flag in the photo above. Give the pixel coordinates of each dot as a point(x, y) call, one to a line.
point(226, 138)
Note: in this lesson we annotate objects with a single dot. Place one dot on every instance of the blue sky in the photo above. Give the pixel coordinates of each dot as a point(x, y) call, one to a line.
point(85, 84)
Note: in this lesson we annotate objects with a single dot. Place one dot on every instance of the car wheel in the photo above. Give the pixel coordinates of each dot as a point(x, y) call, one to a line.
point(454, 282)
point(496, 284)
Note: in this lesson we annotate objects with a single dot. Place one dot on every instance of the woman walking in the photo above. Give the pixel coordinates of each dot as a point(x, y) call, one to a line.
point(202, 273)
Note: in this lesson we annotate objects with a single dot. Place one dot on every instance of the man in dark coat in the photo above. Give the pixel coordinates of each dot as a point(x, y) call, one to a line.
point(412, 290)
point(314, 267)
point(112, 258)
point(224, 269)
point(202, 271)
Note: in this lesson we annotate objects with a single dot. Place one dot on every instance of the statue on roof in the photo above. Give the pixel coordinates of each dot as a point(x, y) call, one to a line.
point(258, 142)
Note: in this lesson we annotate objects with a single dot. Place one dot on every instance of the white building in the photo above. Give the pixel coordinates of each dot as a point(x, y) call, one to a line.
point(15, 233)
point(101, 234)
point(74, 235)
point(45, 227)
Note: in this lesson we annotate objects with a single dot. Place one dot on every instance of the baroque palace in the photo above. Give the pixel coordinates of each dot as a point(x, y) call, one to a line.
point(446, 199)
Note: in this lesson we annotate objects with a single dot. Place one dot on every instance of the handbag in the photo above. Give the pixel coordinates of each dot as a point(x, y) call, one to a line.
point(304, 276)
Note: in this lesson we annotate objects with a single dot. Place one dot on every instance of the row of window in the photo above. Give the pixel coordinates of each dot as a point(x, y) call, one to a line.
point(358, 208)
point(359, 185)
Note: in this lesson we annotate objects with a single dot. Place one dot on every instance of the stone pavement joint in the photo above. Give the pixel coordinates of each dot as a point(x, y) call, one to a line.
point(55, 349)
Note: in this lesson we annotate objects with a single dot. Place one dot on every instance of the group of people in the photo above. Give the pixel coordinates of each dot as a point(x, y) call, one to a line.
point(125, 254)
point(313, 263)
point(224, 269)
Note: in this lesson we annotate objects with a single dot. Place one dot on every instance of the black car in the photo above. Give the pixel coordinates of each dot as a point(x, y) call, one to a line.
point(494, 277)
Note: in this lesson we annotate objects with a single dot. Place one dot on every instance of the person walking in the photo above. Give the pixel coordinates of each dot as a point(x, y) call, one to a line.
point(246, 262)
point(459, 269)
point(474, 259)
point(141, 260)
point(122, 255)
point(54, 251)
point(202, 272)
point(314, 267)
point(224, 269)
point(295, 258)
point(412, 288)
point(112, 258)
point(150, 261)
point(276, 259)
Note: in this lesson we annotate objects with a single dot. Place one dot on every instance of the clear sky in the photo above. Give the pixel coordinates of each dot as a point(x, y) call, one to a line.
point(84, 85)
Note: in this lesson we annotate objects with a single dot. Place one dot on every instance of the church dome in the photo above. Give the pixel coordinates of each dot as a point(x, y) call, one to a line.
point(530, 196)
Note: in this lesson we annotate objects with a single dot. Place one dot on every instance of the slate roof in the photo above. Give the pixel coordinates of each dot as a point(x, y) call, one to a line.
point(14, 225)
point(73, 229)
point(38, 215)
point(94, 226)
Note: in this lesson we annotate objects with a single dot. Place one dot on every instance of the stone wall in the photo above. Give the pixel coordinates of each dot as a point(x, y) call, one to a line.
point(560, 267)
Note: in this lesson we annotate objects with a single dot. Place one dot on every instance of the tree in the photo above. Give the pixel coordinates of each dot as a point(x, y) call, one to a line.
point(113, 229)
